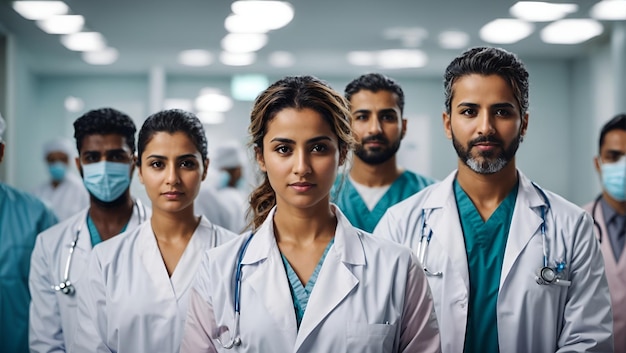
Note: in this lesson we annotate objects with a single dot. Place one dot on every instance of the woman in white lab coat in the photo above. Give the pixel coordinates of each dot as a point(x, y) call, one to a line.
point(304, 278)
point(137, 287)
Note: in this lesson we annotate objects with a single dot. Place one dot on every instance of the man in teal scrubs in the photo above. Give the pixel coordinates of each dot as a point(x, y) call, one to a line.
point(22, 217)
point(512, 267)
point(375, 181)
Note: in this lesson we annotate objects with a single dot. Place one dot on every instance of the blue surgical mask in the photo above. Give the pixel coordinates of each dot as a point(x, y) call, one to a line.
point(614, 179)
point(223, 179)
point(106, 180)
point(57, 171)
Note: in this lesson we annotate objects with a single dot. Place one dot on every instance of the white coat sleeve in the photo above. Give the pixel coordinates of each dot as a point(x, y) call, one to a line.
point(588, 320)
point(200, 322)
point(92, 319)
point(45, 332)
point(419, 331)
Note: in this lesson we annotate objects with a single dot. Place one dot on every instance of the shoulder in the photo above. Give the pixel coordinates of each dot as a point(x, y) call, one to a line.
point(110, 250)
point(213, 230)
point(55, 233)
point(418, 179)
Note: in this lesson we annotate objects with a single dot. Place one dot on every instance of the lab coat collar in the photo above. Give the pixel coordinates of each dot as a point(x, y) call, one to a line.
point(524, 224)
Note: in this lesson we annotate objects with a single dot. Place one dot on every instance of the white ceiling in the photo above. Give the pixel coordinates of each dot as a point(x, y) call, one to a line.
point(150, 33)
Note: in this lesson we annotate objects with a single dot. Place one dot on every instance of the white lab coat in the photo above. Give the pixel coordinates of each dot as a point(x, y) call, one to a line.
point(53, 314)
point(222, 211)
point(531, 317)
point(68, 198)
point(370, 296)
point(129, 302)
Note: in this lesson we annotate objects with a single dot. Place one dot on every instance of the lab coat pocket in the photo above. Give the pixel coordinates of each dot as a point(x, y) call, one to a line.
point(364, 337)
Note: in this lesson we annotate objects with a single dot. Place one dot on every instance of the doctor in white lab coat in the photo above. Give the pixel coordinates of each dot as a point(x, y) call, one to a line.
point(137, 285)
point(484, 233)
point(53, 312)
point(310, 281)
point(106, 147)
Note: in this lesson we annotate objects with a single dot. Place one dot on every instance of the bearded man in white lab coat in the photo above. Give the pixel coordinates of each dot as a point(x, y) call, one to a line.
point(512, 267)
point(105, 139)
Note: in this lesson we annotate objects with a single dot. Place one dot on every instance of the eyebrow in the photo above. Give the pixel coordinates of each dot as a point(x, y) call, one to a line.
point(290, 141)
point(184, 156)
point(497, 105)
point(385, 110)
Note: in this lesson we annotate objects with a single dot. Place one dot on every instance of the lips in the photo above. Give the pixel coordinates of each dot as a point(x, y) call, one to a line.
point(302, 186)
point(172, 194)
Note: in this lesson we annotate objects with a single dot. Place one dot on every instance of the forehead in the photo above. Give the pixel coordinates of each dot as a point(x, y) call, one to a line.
point(475, 88)
point(98, 142)
point(365, 99)
point(165, 143)
point(614, 140)
point(298, 124)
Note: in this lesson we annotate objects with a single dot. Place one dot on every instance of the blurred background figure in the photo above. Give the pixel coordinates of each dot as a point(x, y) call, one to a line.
point(609, 216)
point(64, 192)
point(232, 188)
point(22, 217)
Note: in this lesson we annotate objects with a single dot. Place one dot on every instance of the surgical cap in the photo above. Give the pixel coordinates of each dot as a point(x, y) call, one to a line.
point(228, 156)
point(59, 145)
point(3, 127)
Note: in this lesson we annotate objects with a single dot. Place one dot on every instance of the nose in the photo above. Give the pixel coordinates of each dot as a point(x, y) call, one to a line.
point(374, 127)
point(172, 177)
point(301, 163)
point(485, 124)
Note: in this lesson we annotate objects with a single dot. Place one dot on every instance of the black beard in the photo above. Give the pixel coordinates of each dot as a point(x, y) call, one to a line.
point(493, 161)
point(379, 155)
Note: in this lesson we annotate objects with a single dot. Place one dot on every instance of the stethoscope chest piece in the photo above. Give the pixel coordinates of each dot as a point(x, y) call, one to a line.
point(65, 288)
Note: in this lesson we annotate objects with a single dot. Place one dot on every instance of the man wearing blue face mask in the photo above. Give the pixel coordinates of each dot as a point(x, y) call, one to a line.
point(105, 139)
point(64, 192)
point(609, 215)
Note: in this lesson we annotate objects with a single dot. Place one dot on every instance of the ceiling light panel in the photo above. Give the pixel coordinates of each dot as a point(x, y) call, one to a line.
point(195, 57)
point(401, 59)
point(361, 58)
point(107, 56)
point(539, 11)
point(211, 118)
point(62, 24)
point(609, 10)
point(40, 10)
point(243, 42)
point(571, 31)
point(505, 31)
point(275, 14)
point(281, 59)
point(211, 100)
point(237, 59)
point(84, 41)
point(453, 39)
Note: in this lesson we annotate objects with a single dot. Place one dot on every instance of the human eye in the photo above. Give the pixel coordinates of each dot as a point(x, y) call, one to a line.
point(388, 118)
point(469, 112)
point(319, 147)
point(282, 149)
point(188, 164)
point(91, 157)
point(360, 117)
point(156, 164)
point(505, 113)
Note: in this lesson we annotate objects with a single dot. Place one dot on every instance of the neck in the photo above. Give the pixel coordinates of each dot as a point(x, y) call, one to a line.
point(619, 207)
point(110, 220)
point(487, 190)
point(168, 226)
point(375, 175)
point(304, 226)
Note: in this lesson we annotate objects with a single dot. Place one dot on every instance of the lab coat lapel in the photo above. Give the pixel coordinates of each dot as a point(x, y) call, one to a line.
point(264, 272)
point(80, 258)
point(446, 226)
point(185, 269)
point(153, 262)
point(335, 280)
point(524, 224)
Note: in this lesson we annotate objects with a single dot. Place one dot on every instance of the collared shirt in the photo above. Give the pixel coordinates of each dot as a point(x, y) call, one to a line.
point(615, 226)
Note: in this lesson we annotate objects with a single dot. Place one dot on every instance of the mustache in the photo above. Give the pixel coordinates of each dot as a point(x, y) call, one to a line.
point(483, 139)
point(374, 138)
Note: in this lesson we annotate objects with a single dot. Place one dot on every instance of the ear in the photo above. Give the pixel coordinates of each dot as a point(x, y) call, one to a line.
point(403, 132)
point(206, 168)
point(78, 166)
point(447, 125)
point(139, 172)
point(258, 154)
point(524, 126)
point(596, 162)
point(1, 151)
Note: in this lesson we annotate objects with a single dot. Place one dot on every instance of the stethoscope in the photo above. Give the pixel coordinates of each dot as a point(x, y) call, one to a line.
point(235, 339)
point(593, 217)
point(546, 274)
point(66, 286)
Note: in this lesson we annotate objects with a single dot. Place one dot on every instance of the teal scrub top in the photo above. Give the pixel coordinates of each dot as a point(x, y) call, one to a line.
point(93, 231)
point(22, 218)
point(299, 293)
point(347, 198)
point(485, 242)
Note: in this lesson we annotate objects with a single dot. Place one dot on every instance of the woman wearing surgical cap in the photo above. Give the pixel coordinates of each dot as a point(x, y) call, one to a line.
point(64, 192)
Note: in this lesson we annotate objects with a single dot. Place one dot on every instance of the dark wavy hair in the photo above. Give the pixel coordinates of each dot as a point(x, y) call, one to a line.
point(104, 121)
point(375, 82)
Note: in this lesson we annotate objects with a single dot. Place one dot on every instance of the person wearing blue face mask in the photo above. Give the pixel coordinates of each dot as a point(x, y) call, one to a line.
point(609, 213)
point(105, 139)
point(64, 192)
